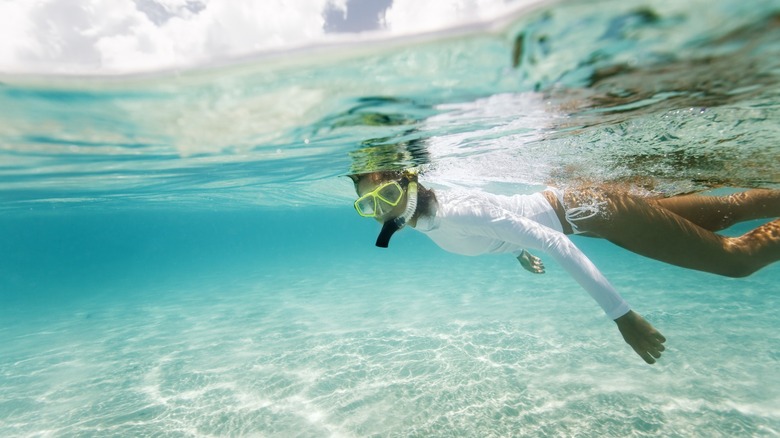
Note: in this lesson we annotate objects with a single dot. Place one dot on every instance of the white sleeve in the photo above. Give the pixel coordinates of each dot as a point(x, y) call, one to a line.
point(526, 233)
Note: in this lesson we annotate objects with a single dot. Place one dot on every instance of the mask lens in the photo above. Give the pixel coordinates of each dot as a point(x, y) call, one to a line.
point(366, 206)
point(390, 193)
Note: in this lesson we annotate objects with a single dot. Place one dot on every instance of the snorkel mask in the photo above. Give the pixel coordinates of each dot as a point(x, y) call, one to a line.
point(385, 197)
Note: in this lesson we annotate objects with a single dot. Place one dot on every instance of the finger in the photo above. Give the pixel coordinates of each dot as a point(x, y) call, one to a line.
point(653, 343)
point(657, 342)
point(652, 347)
point(649, 359)
point(644, 355)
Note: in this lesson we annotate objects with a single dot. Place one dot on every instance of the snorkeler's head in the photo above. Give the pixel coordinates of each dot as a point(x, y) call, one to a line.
point(387, 188)
point(390, 197)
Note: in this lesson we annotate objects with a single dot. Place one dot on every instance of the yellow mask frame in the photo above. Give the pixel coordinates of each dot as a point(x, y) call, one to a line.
point(369, 204)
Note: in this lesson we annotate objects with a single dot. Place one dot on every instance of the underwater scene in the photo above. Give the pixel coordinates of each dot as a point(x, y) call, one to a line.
point(180, 254)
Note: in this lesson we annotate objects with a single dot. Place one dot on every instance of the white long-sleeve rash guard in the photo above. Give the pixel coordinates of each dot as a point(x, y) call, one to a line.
point(474, 223)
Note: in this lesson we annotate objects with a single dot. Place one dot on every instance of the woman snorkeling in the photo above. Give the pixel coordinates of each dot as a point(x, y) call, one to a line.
point(678, 230)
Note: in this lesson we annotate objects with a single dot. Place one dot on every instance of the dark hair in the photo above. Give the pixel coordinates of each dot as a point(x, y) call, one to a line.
point(377, 177)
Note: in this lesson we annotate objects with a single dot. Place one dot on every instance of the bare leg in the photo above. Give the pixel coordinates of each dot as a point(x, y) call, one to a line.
point(644, 227)
point(715, 213)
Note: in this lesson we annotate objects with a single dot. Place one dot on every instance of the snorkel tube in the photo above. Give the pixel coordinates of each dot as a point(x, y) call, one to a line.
point(393, 225)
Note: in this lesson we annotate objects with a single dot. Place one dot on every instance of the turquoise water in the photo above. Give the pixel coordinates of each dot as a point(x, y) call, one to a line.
point(180, 256)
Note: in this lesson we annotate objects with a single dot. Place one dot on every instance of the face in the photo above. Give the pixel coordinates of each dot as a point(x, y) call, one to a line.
point(366, 185)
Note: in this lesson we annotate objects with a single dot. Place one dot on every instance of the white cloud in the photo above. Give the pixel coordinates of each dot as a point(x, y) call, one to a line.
point(110, 36)
point(408, 16)
point(14, 28)
point(120, 36)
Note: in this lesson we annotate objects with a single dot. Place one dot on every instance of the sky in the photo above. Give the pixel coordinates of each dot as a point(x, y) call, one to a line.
point(128, 36)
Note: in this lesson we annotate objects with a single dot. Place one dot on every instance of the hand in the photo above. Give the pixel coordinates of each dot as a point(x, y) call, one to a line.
point(646, 341)
point(530, 262)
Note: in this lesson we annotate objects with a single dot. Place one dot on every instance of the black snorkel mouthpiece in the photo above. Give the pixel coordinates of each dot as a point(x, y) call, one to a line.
point(388, 229)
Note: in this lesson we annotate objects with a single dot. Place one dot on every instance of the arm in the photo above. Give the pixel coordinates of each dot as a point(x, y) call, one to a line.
point(643, 338)
point(525, 233)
